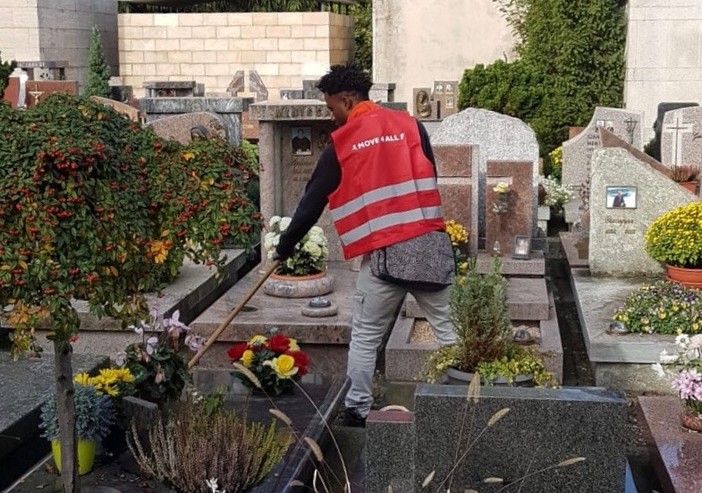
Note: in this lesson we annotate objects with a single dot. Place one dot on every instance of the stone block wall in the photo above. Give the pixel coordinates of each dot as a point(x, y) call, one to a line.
point(57, 30)
point(284, 48)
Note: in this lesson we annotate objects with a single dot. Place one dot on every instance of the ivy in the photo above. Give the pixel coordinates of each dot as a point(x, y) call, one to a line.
point(571, 59)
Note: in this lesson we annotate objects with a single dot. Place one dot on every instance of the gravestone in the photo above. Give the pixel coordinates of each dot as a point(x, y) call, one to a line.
point(497, 138)
point(662, 109)
point(577, 152)
point(382, 92)
point(516, 220)
point(457, 171)
point(180, 127)
point(129, 111)
point(681, 137)
point(617, 228)
point(581, 422)
point(446, 97)
point(237, 84)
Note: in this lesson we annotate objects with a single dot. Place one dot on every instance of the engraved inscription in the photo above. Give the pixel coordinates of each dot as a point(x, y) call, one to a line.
point(611, 232)
point(302, 169)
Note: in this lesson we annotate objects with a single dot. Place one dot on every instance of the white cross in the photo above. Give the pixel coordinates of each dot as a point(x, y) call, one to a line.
point(679, 130)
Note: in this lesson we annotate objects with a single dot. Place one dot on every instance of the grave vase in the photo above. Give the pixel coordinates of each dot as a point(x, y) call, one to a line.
point(689, 185)
point(283, 286)
point(691, 278)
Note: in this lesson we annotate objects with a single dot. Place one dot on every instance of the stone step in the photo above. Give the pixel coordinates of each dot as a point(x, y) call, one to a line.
point(24, 385)
point(527, 299)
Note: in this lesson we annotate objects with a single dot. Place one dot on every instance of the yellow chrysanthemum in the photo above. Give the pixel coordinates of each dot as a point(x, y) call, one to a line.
point(83, 379)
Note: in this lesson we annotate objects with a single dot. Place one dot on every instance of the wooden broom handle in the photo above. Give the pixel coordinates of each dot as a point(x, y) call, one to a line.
point(213, 338)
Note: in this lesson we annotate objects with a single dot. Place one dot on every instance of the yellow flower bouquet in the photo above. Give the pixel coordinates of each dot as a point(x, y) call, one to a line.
point(276, 360)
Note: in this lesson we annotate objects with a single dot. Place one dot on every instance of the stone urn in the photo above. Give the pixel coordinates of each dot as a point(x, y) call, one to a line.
point(286, 286)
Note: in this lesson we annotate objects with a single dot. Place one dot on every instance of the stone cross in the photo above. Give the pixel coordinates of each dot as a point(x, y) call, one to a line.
point(679, 129)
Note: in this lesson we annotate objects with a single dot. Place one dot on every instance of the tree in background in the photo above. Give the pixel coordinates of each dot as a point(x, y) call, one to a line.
point(362, 14)
point(6, 69)
point(574, 50)
point(98, 70)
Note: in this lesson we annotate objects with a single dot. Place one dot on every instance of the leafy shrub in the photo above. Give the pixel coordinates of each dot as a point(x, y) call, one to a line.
point(6, 69)
point(516, 361)
point(93, 206)
point(675, 238)
point(662, 308)
point(514, 89)
point(198, 442)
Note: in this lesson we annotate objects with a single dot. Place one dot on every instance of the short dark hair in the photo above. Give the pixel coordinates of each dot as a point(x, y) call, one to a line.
point(345, 78)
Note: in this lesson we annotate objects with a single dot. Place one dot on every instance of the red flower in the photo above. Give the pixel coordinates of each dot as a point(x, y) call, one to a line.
point(236, 351)
point(302, 361)
point(279, 343)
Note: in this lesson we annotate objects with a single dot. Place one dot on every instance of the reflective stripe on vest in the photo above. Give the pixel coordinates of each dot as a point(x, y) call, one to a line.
point(383, 193)
point(388, 220)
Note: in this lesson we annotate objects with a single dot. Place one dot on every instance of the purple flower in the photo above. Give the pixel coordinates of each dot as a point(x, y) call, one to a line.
point(689, 385)
point(151, 344)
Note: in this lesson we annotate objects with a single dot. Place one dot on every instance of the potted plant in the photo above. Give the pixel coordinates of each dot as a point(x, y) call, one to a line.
point(94, 414)
point(274, 359)
point(303, 274)
point(484, 330)
point(675, 239)
point(687, 175)
point(160, 371)
point(685, 369)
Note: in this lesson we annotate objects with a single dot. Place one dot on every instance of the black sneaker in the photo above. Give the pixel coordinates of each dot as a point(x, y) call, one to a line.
point(353, 418)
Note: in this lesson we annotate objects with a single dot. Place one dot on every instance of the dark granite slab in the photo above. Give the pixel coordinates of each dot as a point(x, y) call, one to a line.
point(678, 457)
point(24, 384)
point(389, 430)
point(543, 428)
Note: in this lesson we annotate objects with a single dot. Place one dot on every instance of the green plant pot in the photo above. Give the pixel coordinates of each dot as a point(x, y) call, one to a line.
point(86, 455)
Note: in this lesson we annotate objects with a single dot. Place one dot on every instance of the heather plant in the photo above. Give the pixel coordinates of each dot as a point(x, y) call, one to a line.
point(662, 308)
point(95, 412)
point(198, 441)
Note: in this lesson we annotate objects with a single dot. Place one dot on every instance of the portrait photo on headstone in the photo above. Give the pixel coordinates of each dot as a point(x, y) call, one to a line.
point(522, 246)
point(621, 197)
point(301, 141)
point(449, 102)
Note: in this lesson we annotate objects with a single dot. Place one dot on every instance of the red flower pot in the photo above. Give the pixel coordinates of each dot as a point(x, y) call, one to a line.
point(691, 278)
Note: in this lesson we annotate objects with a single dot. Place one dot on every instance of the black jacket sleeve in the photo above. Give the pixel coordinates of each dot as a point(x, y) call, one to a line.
point(324, 180)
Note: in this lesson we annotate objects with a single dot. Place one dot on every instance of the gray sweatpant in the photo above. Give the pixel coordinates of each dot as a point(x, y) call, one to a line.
point(374, 306)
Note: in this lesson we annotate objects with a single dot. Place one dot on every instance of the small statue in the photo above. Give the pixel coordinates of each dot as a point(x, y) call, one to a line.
point(422, 104)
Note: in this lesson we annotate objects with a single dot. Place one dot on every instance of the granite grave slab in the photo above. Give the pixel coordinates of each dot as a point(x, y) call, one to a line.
point(678, 453)
point(389, 430)
point(498, 138)
point(180, 127)
point(617, 228)
point(582, 422)
point(577, 152)
point(129, 111)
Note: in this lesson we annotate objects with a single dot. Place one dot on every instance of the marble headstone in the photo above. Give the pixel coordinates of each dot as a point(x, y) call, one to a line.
point(382, 92)
point(257, 86)
point(681, 137)
point(617, 233)
point(577, 152)
point(498, 138)
point(542, 428)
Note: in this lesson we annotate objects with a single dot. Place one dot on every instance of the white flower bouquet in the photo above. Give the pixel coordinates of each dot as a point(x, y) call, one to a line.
point(310, 254)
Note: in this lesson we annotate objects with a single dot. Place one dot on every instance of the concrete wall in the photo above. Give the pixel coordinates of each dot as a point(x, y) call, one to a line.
point(664, 56)
point(57, 30)
point(284, 48)
point(416, 42)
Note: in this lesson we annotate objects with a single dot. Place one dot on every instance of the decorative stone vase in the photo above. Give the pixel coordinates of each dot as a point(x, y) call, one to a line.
point(283, 286)
point(460, 377)
point(691, 278)
point(86, 455)
point(691, 420)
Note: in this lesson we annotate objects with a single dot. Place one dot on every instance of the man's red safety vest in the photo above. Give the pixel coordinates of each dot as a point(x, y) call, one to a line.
point(388, 191)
